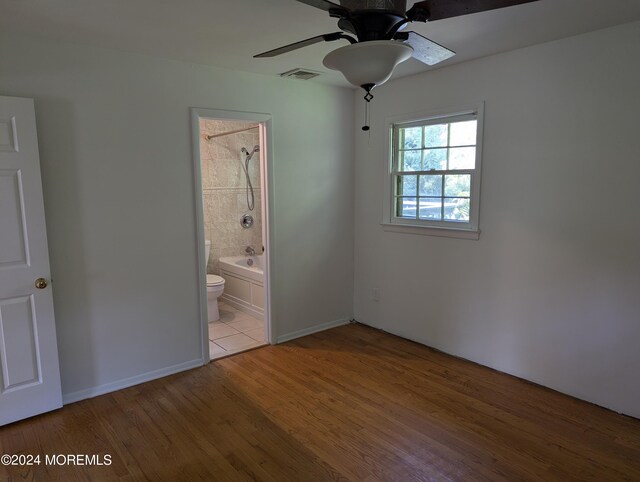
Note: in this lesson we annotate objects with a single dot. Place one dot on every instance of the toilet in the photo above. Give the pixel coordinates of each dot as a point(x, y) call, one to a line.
point(215, 288)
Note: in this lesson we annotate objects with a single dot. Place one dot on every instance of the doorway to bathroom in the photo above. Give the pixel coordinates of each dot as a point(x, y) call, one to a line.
point(231, 176)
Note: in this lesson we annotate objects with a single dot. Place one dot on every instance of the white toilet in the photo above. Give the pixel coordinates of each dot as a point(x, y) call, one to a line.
point(215, 288)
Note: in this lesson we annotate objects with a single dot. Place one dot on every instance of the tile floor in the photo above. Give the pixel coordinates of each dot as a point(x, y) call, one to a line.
point(234, 332)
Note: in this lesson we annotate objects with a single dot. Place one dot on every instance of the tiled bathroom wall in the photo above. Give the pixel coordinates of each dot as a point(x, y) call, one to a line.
point(223, 189)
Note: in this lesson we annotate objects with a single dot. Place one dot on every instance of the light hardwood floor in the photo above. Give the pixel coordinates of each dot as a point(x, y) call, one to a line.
point(350, 403)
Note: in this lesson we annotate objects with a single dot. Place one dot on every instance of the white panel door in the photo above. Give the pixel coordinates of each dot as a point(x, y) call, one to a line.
point(29, 370)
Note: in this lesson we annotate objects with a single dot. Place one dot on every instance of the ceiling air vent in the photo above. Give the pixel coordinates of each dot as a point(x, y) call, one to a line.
point(300, 74)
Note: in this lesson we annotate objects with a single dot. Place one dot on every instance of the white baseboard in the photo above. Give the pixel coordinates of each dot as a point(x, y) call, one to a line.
point(309, 331)
point(129, 382)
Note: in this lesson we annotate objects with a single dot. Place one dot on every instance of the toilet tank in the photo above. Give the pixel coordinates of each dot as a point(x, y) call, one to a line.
point(207, 248)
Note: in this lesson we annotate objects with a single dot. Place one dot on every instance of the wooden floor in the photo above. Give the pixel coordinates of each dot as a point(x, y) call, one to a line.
point(350, 403)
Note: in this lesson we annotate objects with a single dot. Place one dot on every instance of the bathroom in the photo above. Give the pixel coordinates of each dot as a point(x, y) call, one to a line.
point(232, 173)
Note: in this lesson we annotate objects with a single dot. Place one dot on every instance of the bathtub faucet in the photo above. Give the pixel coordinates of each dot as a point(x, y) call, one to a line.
point(249, 251)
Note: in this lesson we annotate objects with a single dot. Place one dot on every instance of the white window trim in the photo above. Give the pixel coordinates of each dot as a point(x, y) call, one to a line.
point(431, 228)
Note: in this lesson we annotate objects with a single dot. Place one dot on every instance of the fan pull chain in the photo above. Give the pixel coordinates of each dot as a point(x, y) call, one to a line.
point(366, 126)
point(367, 115)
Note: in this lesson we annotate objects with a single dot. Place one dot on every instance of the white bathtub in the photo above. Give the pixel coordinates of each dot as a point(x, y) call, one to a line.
point(244, 284)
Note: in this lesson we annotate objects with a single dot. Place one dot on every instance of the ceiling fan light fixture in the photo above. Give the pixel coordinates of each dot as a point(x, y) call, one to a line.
point(368, 63)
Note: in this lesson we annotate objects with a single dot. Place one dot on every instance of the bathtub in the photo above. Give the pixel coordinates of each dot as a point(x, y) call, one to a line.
point(244, 284)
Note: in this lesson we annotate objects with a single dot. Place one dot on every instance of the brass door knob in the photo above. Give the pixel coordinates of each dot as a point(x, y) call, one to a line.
point(41, 283)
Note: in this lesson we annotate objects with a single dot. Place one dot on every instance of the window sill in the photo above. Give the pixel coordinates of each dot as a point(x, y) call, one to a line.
point(431, 231)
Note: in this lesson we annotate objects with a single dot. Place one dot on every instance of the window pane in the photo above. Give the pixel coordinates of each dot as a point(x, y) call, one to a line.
point(458, 185)
point(412, 138)
point(431, 208)
point(436, 136)
point(410, 160)
point(406, 207)
point(463, 133)
point(462, 158)
point(456, 210)
point(435, 159)
point(407, 185)
point(431, 185)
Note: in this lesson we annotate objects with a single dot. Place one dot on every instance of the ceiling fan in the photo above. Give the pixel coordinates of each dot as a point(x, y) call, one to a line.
point(376, 36)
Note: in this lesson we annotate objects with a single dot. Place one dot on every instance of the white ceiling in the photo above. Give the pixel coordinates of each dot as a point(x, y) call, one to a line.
point(227, 33)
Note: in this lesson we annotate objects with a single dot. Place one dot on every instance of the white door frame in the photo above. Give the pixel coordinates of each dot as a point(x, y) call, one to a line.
point(266, 184)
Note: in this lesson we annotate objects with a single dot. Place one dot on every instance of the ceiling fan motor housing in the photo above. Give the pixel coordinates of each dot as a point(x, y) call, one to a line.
point(397, 6)
point(368, 25)
point(372, 19)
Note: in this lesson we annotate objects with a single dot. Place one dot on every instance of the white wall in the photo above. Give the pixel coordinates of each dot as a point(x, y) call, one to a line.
point(551, 291)
point(114, 135)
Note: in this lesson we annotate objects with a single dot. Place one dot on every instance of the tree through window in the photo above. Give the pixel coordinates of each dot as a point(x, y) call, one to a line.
point(436, 171)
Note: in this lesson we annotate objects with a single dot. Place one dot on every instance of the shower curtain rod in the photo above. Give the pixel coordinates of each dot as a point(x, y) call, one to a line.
point(231, 132)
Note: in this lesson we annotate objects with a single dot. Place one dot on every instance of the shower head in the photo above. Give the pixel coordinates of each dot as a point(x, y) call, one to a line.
point(250, 154)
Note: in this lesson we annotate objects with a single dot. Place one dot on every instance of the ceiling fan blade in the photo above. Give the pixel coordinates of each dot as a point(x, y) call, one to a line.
point(325, 5)
point(430, 10)
point(425, 50)
point(329, 37)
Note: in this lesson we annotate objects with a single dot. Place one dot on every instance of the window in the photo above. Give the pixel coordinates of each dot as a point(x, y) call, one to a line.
point(435, 171)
